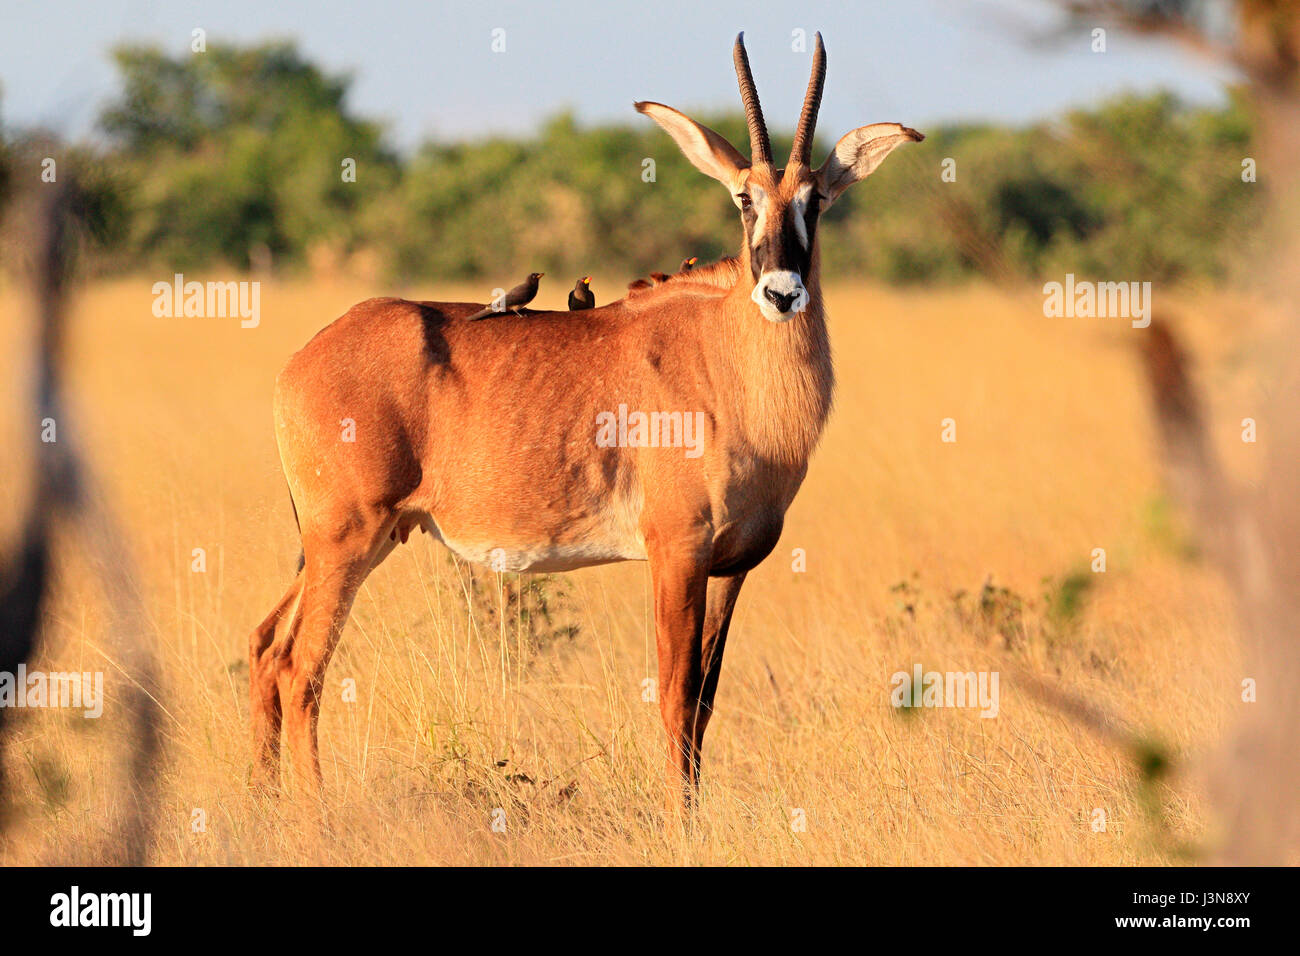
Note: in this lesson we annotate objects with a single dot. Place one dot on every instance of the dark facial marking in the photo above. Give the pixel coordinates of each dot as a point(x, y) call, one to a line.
point(782, 251)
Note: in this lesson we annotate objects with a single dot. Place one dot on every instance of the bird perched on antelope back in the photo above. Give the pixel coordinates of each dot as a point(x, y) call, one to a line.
point(689, 264)
point(581, 297)
point(516, 298)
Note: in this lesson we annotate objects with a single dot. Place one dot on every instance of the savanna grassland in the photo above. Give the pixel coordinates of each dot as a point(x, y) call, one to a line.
point(475, 691)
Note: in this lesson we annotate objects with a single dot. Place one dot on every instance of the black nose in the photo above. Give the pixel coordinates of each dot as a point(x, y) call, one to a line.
point(781, 300)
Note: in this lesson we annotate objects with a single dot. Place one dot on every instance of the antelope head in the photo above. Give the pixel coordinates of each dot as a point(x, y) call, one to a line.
point(779, 208)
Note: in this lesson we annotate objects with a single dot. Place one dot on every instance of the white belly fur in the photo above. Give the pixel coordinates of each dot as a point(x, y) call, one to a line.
point(547, 557)
point(614, 538)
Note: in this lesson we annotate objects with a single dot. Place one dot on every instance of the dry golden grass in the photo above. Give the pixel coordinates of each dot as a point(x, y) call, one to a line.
point(1055, 456)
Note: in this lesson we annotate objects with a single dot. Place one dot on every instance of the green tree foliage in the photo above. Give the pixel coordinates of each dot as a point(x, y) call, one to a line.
point(238, 148)
point(569, 199)
point(1140, 187)
point(100, 212)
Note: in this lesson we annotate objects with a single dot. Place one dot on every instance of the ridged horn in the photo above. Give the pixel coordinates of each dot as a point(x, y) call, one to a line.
point(801, 151)
point(760, 147)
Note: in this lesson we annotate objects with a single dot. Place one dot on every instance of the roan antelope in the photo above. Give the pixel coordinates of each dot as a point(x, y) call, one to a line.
point(444, 440)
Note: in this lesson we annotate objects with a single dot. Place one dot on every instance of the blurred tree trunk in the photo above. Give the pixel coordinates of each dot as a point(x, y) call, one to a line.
point(1254, 538)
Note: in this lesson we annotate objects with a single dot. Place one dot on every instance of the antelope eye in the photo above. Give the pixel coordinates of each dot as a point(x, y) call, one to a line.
point(745, 201)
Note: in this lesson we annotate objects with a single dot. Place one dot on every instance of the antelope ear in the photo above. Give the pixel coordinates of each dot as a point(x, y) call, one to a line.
point(856, 156)
point(708, 151)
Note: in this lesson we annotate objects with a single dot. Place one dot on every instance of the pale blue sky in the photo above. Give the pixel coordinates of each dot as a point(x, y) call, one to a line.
point(427, 69)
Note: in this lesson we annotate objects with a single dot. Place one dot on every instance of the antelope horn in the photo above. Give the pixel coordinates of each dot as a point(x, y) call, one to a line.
point(801, 151)
point(760, 147)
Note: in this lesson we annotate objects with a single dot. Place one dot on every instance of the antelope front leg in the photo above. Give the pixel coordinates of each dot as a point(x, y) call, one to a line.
point(722, 601)
point(680, 580)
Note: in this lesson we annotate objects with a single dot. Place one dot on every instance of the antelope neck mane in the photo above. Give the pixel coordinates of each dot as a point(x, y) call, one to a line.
point(781, 375)
point(721, 276)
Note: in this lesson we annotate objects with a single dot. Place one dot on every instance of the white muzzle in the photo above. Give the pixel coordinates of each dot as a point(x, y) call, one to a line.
point(780, 295)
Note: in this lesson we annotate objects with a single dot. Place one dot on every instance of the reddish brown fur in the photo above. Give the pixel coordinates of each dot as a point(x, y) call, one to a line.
point(484, 433)
point(722, 274)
